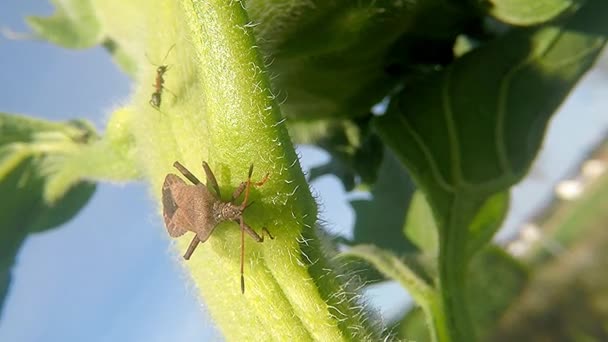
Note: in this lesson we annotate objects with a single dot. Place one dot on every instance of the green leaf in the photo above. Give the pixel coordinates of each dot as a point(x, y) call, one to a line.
point(26, 148)
point(363, 272)
point(27, 210)
point(335, 59)
point(112, 158)
point(487, 221)
point(525, 12)
point(73, 25)
point(380, 220)
point(121, 57)
point(356, 152)
point(80, 24)
point(411, 275)
point(496, 280)
point(473, 129)
point(413, 326)
point(420, 225)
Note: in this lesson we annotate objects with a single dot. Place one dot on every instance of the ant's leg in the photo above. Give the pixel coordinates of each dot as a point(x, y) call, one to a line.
point(186, 173)
point(193, 244)
point(169, 91)
point(211, 179)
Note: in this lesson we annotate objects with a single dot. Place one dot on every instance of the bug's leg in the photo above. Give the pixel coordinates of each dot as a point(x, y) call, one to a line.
point(186, 173)
point(193, 244)
point(264, 230)
point(242, 224)
point(238, 191)
point(255, 235)
point(245, 228)
point(211, 179)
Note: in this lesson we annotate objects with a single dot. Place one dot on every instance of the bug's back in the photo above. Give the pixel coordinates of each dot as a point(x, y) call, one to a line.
point(188, 208)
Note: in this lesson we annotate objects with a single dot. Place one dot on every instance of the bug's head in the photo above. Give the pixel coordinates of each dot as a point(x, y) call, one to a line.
point(231, 211)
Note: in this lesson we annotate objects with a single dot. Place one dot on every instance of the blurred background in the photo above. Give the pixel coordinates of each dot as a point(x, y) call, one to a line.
point(107, 274)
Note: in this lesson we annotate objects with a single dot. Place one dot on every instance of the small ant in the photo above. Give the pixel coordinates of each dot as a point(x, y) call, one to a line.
point(158, 85)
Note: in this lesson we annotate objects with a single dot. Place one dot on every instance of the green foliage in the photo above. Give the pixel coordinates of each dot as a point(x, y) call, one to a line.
point(473, 129)
point(28, 150)
point(470, 98)
point(337, 59)
point(488, 301)
point(355, 149)
point(380, 220)
point(73, 25)
point(420, 226)
point(524, 12)
point(495, 280)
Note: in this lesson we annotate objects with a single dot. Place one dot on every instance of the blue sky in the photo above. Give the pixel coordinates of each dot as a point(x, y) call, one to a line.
point(123, 285)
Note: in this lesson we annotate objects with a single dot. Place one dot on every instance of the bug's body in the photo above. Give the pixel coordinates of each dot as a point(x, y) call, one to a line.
point(199, 209)
point(194, 208)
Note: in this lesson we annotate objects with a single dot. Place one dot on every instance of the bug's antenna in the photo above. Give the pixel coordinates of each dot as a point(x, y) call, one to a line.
point(244, 204)
point(242, 255)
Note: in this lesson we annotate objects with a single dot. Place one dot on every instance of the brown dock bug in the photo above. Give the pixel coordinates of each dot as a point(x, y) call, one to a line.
point(199, 208)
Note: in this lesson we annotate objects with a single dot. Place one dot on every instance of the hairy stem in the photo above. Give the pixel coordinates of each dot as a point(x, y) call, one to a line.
point(221, 109)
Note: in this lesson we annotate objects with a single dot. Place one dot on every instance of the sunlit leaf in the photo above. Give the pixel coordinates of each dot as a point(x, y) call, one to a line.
point(525, 12)
point(73, 25)
point(25, 147)
point(473, 129)
point(420, 225)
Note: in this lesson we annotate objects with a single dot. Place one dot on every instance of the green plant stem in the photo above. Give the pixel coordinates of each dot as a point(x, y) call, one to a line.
point(453, 264)
point(436, 319)
point(224, 112)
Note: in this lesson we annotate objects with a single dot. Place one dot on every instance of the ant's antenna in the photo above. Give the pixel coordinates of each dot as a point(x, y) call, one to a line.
point(164, 58)
point(167, 54)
